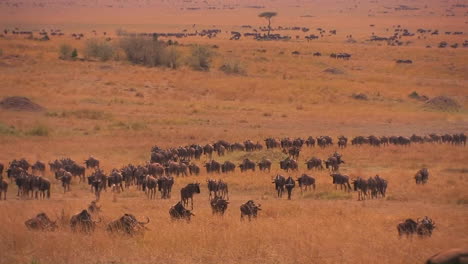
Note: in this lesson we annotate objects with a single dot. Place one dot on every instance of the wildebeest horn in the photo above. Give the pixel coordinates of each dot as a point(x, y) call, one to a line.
point(192, 214)
point(147, 221)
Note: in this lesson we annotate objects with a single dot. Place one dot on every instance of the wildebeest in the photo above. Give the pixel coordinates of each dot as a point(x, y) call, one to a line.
point(193, 169)
point(97, 181)
point(187, 193)
point(208, 150)
point(149, 186)
point(408, 227)
point(82, 222)
point(178, 211)
point(155, 169)
point(342, 141)
point(264, 164)
point(247, 164)
point(310, 141)
point(3, 188)
point(65, 177)
point(165, 186)
point(41, 222)
point(342, 180)
point(272, 143)
point(289, 184)
point(314, 163)
point(218, 205)
point(38, 167)
point(422, 227)
point(422, 176)
point(249, 209)
point(360, 185)
point(115, 181)
point(92, 163)
point(450, 256)
point(213, 166)
point(41, 186)
point(306, 181)
point(128, 225)
point(288, 164)
point(279, 182)
point(228, 166)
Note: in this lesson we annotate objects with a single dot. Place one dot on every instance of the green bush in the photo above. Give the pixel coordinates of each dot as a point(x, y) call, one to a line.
point(8, 130)
point(201, 58)
point(65, 52)
point(233, 66)
point(150, 52)
point(99, 50)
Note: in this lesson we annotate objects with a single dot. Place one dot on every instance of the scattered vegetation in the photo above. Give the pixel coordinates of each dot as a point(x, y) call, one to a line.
point(201, 58)
point(81, 114)
point(40, 130)
point(67, 52)
point(98, 49)
point(8, 130)
point(150, 52)
point(233, 66)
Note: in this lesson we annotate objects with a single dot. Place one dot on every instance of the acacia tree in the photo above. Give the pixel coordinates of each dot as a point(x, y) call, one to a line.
point(268, 16)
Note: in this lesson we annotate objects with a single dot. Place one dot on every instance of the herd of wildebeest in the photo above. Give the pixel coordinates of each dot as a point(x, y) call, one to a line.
point(158, 175)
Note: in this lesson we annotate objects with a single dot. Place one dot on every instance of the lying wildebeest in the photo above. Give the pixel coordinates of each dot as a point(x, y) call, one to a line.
point(41, 222)
point(289, 184)
point(422, 227)
point(279, 182)
point(422, 176)
point(128, 225)
point(264, 164)
point(450, 256)
point(92, 163)
point(3, 188)
point(306, 181)
point(187, 193)
point(342, 180)
point(314, 163)
point(82, 222)
point(178, 211)
point(218, 205)
point(249, 209)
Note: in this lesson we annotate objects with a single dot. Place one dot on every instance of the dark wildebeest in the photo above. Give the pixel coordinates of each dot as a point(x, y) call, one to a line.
point(306, 181)
point(218, 205)
point(82, 222)
point(2, 167)
point(150, 186)
point(310, 142)
point(178, 211)
point(293, 152)
point(38, 167)
point(65, 177)
point(272, 143)
point(165, 186)
point(314, 163)
point(41, 186)
point(97, 181)
point(3, 188)
point(408, 227)
point(246, 165)
point(289, 184)
point(360, 185)
point(425, 227)
point(155, 169)
point(249, 209)
point(128, 225)
point(342, 141)
point(288, 164)
point(223, 190)
point(92, 163)
point(193, 169)
point(342, 180)
point(212, 188)
point(41, 222)
point(115, 181)
point(450, 256)
point(228, 166)
point(422, 176)
point(264, 164)
point(279, 182)
point(333, 163)
point(213, 166)
point(187, 193)
point(208, 150)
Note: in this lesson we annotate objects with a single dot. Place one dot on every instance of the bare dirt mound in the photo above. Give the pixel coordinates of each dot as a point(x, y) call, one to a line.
point(443, 103)
point(20, 103)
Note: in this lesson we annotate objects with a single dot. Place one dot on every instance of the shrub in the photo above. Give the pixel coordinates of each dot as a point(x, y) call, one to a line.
point(65, 52)
point(150, 52)
point(201, 58)
point(38, 130)
point(8, 130)
point(233, 66)
point(98, 49)
point(74, 54)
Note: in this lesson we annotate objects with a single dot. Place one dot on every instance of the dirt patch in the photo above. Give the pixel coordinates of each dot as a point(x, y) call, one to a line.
point(20, 103)
point(333, 71)
point(443, 103)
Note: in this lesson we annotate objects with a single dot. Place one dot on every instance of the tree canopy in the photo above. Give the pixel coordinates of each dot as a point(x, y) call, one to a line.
point(268, 15)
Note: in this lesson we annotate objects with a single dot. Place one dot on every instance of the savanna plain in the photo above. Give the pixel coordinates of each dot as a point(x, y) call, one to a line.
point(96, 101)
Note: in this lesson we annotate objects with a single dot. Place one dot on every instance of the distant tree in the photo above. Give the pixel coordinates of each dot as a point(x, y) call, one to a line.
point(74, 54)
point(268, 16)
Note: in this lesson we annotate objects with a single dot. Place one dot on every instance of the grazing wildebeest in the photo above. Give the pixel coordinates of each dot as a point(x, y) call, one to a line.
point(165, 186)
point(82, 222)
point(288, 164)
point(279, 182)
point(228, 166)
point(408, 227)
point(187, 193)
point(149, 186)
point(41, 222)
point(92, 163)
point(3, 188)
point(249, 209)
point(342, 180)
point(65, 177)
point(422, 176)
point(128, 225)
point(193, 169)
point(38, 167)
point(247, 164)
point(218, 205)
point(178, 211)
point(450, 256)
point(289, 184)
point(213, 166)
point(264, 164)
point(306, 181)
point(314, 163)
point(360, 185)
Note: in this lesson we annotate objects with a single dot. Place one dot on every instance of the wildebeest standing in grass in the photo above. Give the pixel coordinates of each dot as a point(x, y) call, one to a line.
point(288, 164)
point(279, 182)
point(41, 222)
point(3, 188)
point(65, 177)
point(360, 185)
point(450, 256)
point(422, 176)
point(38, 168)
point(408, 227)
point(314, 163)
point(342, 180)
point(213, 166)
point(212, 188)
point(41, 187)
point(193, 169)
point(165, 184)
point(289, 184)
point(2, 167)
point(246, 165)
point(228, 166)
point(92, 163)
point(187, 193)
point(115, 181)
point(310, 142)
point(425, 227)
point(249, 209)
point(306, 181)
point(149, 187)
point(264, 165)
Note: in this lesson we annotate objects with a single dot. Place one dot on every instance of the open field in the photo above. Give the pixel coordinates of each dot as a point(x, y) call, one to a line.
point(116, 111)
